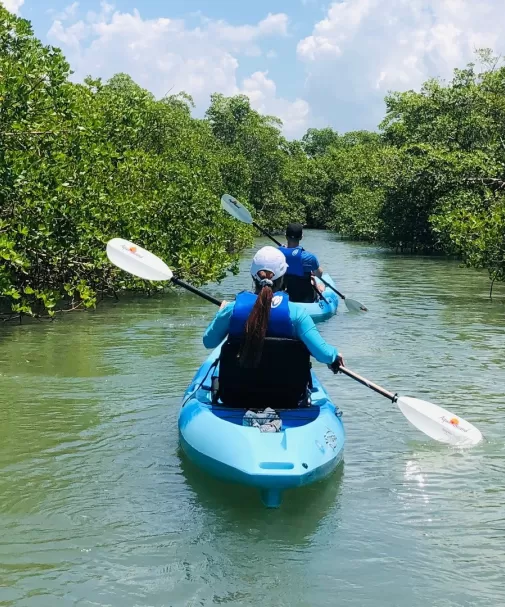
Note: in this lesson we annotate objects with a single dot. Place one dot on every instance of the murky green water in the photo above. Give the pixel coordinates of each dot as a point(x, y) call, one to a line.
point(97, 506)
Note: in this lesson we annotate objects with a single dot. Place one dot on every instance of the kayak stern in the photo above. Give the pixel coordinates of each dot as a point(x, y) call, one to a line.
point(307, 449)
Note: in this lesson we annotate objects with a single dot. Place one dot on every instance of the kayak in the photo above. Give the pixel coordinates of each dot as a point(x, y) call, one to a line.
point(322, 310)
point(307, 449)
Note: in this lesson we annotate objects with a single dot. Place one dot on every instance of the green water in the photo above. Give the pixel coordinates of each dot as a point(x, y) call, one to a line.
point(98, 507)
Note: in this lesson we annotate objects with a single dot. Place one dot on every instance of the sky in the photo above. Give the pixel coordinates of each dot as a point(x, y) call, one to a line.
point(311, 63)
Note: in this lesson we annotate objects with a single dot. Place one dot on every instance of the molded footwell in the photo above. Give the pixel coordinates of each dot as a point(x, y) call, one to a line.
point(272, 498)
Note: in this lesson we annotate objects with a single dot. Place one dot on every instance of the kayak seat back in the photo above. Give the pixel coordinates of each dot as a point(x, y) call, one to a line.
point(282, 379)
point(299, 288)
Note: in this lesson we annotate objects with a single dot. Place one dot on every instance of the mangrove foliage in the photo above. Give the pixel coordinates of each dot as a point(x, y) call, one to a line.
point(82, 163)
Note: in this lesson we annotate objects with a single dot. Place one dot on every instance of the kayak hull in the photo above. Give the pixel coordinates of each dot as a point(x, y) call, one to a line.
point(308, 448)
point(323, 310)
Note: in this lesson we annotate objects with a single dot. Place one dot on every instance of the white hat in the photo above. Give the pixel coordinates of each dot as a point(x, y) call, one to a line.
point(269, 259)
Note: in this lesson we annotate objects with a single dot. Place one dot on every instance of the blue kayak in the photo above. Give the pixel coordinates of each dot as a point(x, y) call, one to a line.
point(321, 310)
point(308, 448)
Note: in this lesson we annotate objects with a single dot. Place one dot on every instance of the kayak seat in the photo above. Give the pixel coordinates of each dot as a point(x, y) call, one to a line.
point(299, 288)
point(282, 379)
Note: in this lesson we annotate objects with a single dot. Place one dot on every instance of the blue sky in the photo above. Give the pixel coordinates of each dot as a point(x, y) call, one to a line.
point(312, 63)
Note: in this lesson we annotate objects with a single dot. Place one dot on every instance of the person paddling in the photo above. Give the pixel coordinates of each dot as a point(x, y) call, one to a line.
point(302, 266)
point(265, 360)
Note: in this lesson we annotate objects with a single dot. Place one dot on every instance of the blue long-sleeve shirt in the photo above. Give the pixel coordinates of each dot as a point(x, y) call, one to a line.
point(304, 329)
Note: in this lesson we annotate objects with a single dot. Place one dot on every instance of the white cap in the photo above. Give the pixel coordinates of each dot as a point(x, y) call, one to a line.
point(269, 259)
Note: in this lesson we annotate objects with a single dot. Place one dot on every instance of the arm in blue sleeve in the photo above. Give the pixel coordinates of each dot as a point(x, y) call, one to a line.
point(310, 262)
point(219, 327)
point(306, 331)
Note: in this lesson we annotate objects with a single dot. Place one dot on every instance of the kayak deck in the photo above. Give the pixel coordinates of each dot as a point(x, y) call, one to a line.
point(322, 310)
point(307, 449)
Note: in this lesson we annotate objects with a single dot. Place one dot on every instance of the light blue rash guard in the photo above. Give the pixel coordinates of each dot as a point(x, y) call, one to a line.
point(304, 329)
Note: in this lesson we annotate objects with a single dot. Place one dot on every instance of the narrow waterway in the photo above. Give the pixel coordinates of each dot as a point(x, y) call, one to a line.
point(99, 507)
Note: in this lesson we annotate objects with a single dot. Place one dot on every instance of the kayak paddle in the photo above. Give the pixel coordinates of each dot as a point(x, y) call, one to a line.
point(237, 210)
point(139, 262)
point(437, 423)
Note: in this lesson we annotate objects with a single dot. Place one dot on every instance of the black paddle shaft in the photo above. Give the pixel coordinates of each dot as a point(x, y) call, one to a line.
point(267, 234)
point(341, 295)
point(184, 285)
point(362, 380)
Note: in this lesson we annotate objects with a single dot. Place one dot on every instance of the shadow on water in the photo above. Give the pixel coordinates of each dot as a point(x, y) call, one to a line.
point(300, 515)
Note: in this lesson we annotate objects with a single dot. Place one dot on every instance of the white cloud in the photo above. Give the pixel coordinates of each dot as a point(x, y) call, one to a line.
point(165, 54)
point(67, 13)
point(363, 48)
point(13, 5)
point(262, 92)
point(243, 34)
point(315, 47)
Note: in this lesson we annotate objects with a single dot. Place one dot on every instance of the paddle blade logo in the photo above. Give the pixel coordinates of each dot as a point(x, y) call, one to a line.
point(276, 301)
point(132, 250)
point(454, 422)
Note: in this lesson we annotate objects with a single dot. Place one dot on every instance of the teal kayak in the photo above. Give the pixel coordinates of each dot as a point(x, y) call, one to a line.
point(322, 310)
point(308, 447)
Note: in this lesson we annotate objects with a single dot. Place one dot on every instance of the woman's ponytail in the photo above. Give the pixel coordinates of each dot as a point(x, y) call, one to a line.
point(257, 324)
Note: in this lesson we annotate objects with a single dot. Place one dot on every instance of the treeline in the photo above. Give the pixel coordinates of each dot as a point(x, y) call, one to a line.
point(433, 179)
point(82, 163)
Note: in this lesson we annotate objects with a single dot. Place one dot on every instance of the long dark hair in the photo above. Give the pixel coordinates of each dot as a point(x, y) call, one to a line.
point(257, 322)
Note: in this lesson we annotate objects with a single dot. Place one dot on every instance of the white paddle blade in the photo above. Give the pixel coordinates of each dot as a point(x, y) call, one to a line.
point(235, 209)
point(137, 261)
point(438, 423)
point(354, 306)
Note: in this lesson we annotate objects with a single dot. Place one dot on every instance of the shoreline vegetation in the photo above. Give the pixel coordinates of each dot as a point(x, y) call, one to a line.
point(82, 163)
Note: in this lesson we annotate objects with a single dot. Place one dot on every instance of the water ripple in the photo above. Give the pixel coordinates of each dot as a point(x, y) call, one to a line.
point(99, 507)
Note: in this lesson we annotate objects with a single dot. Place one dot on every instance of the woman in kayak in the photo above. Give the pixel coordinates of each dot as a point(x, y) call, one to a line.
point(267, 313)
